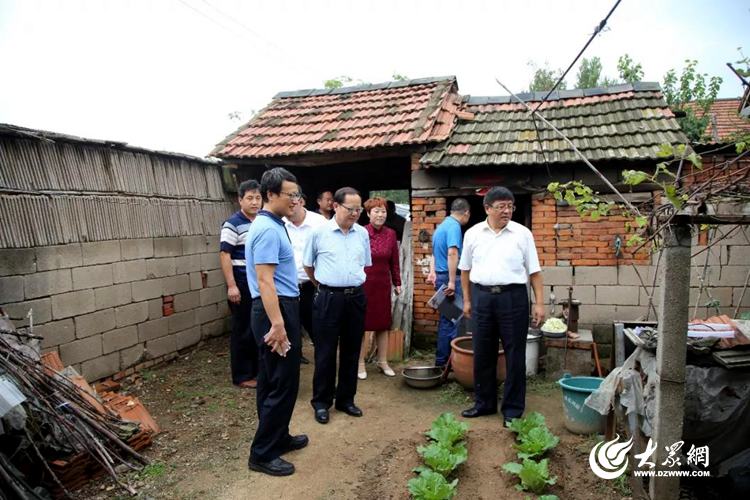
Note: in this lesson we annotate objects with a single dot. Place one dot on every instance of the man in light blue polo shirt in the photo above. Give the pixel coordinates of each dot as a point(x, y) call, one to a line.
point(272, 278)
point(335, 259)
point(446, 251)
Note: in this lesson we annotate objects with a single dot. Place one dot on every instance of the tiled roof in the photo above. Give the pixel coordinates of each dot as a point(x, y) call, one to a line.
point(350, 118)
point(624, 122)
point(725, 120)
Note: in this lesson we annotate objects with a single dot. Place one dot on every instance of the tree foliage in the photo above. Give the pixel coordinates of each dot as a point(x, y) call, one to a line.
point(691, 86)
point(744, 61)
point(544, 78)
point(338, 82)
point(628, 70)
point(590, 75)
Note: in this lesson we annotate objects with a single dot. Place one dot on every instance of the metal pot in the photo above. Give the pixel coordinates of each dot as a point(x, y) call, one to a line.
point(422, 377)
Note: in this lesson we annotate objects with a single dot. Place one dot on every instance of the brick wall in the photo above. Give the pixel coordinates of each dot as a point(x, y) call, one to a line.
point(581, 253)
point(112, 306)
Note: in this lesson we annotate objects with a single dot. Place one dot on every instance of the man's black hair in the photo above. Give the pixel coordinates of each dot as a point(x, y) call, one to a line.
point(273, 179)
point(321, 193)
point(498, 193)
point(460, 206)
point(250, 185)
point(341, 193)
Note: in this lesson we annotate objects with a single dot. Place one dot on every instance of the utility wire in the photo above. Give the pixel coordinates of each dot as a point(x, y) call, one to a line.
point(597, 30)
point(259, 37)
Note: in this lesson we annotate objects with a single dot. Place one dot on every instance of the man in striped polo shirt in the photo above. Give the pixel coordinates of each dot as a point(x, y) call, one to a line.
point(243, 349)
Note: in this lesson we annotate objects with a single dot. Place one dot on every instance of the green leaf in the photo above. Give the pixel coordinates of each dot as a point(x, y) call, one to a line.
point(536, 442)
point(534, 475)
point(671, 193)
point(595, 215)
point(552, 186)
point(635, 239)
point(523, 426)
point(634, 177)
point(558, 196)
point(696, 161)
point(431, 486)
point(665, 150)
point(681, 149)
point(570, 197)
point(443, 459)
point(447, 430)
point(641, 221)
point(740, 146)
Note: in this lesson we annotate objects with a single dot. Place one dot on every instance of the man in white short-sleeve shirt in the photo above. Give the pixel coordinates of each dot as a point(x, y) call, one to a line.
point(499, 259)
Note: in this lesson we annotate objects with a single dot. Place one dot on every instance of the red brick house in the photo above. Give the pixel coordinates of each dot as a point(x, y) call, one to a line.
point(423, 136)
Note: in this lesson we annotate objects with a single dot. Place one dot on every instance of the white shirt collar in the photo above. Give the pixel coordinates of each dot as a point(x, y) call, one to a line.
point(335, 225)
point(510, 226)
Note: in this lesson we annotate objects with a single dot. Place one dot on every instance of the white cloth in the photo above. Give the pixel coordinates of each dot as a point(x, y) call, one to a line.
point(502, 258)
point(299, 235)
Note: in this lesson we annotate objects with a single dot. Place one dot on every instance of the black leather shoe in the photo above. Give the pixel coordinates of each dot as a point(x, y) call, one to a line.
point(474, 413)
point(350, 410)
point(276, 467)
point(304, 361)
point(295, 443)
point(321, 416)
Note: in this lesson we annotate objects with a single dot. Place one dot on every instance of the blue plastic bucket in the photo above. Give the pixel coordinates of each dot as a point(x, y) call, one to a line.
point(579, 418)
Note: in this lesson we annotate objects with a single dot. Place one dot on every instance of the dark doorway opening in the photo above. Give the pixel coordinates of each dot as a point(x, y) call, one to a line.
point(522, 215)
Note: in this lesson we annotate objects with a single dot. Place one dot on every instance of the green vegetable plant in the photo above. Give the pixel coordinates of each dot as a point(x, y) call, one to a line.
point(534, 475)
point(431, 486)
point(441, 458)
point(447, 430)
point(523, 426)
point(535, 443)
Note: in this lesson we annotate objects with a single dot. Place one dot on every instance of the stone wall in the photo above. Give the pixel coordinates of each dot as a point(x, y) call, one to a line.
point(111, 307)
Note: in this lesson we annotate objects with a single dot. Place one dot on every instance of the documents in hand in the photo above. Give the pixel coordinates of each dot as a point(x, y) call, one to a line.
point(450, 307)
point(287, 345)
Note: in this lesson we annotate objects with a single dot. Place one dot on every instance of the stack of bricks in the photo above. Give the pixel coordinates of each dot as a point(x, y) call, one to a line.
point(427, 214)
point(579, 241)
point(112, 307)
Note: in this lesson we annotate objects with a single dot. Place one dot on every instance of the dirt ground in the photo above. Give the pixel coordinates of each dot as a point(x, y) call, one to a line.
point(207, 426)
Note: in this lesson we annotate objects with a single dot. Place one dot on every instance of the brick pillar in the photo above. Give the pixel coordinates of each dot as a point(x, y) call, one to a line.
point(543, 219)
point(427, 214)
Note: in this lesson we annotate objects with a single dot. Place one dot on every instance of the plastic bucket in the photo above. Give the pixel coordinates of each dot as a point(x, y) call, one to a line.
point(579, 418)
point(532, 353)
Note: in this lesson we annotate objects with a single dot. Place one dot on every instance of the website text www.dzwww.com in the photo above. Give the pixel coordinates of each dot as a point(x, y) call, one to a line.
point(671, 473)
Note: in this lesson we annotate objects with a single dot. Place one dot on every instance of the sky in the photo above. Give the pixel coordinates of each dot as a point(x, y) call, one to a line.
point(167, 74)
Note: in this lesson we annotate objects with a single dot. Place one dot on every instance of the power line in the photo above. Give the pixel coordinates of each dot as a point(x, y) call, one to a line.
point(259, 37)
point(240, 36)
point(597, 30)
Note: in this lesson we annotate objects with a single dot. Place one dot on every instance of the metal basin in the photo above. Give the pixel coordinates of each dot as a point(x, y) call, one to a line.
point(423, 377)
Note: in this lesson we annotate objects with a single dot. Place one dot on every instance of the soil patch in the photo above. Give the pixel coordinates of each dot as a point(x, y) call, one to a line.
point(208, 425)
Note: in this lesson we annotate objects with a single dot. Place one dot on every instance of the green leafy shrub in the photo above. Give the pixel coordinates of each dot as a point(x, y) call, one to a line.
point(447, 430)
point(535, 442)
point(442, 459)
point(431, 486)
point(534, 475)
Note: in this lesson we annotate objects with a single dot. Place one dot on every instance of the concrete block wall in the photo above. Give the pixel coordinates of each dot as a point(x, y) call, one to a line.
point(111, 307)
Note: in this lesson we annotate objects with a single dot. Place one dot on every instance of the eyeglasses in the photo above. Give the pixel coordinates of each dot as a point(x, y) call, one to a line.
point(502, 208)
point(293, 196)
point(355, 210)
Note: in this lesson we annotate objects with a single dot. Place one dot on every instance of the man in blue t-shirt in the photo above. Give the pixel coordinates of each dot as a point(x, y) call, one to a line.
point(272, 279)
point(446, 251)
point(242, 348)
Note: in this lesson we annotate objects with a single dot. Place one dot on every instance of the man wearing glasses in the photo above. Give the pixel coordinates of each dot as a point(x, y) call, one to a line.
point(335, 259)
point(272, 276)
point(499, 258)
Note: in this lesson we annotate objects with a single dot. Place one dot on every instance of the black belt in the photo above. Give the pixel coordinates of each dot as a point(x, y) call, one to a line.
point(498, 288)
point(349, 290)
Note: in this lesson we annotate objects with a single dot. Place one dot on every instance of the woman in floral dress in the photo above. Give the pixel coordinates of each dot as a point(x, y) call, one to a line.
point(383, 273)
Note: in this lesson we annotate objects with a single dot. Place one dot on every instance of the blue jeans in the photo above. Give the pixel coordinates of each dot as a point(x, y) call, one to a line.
point(447, 331)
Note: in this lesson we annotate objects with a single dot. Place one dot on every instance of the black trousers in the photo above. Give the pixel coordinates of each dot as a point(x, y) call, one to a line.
point(338, 318)
point(500, 317)
point(278, 380)
point(306, 295)
point(242, 347)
